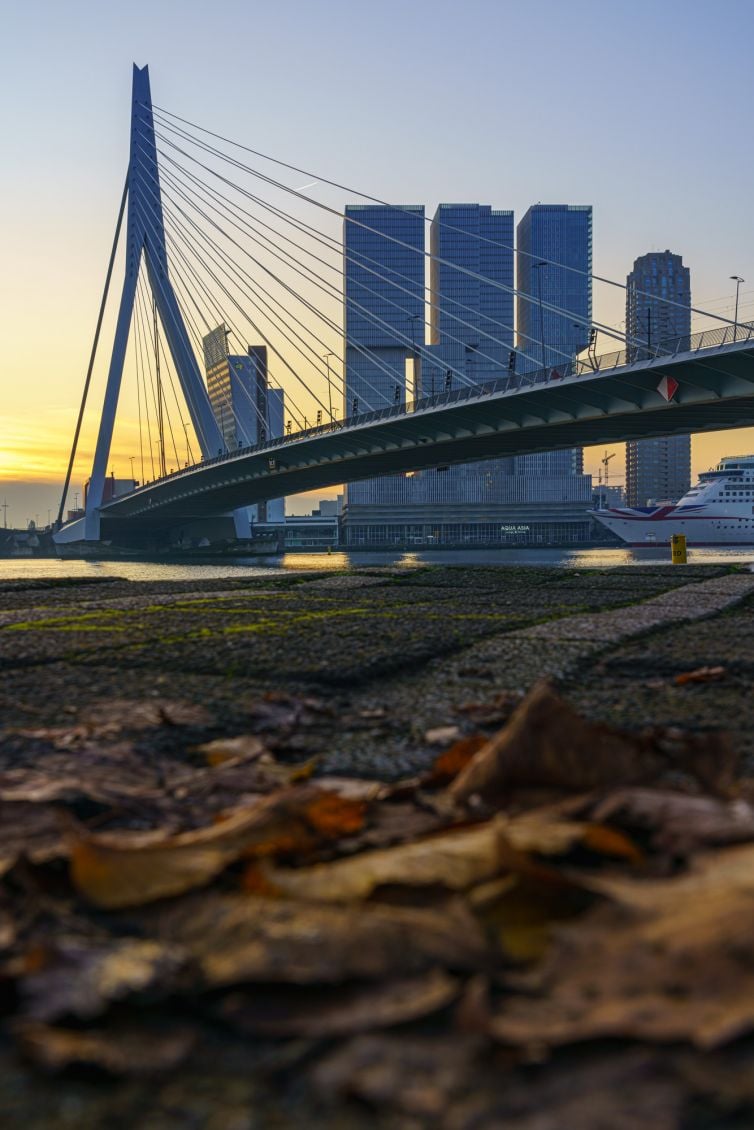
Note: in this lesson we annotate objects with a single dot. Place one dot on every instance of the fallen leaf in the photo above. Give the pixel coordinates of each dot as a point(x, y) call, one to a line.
point(128, 869)
point(700, 675)
point(143, 714)
point(236, 938)
point(494, 711)
point(450, 763)
point(456, 859)
point(679, 823)
point(672, 960)
point(282, 712)
point(441, 735)
point(318, 1013)
point(107, 776)
point(354, 788)
point(83, 978)
point(547, 744)
point(30, 831)
point(245, 747)
point(117, 1049)
point(603, 1090)
point(523, 917)
point(417, 1075)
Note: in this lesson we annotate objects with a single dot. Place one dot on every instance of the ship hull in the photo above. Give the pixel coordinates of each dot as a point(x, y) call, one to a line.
point(642, 531)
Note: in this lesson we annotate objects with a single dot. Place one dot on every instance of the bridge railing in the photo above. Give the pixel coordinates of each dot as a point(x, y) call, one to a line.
point(593, 363)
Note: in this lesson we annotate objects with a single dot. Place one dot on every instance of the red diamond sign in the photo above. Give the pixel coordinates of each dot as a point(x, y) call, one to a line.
point(667, 388)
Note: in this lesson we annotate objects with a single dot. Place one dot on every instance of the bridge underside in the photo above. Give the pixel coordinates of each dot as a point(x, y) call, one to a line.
point(716, 391)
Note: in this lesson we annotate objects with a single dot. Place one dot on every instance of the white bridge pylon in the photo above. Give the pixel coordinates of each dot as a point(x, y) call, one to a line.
point(145, 235)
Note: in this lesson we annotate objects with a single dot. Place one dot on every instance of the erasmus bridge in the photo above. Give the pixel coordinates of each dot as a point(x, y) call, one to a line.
point(196, 216)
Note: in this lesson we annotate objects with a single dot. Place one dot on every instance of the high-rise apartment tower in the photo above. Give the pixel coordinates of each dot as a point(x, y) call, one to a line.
point(553, 269)
point(658, 315)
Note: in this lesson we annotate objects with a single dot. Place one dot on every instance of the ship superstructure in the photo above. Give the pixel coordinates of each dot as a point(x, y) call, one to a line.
point(717, 510)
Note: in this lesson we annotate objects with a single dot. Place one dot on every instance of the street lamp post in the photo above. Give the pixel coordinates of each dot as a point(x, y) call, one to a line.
point(537, 267)
point(737, 280)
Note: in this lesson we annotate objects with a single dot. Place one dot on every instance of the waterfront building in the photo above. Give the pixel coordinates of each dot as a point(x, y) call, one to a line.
point(247, 410)
point(471, 337)
point(383, 296)
point(471, 321)
point(553, 268)
point(474, 504)
point(658, 315)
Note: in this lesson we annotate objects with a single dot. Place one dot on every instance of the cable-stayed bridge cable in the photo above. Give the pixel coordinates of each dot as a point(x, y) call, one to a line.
point(161, 113)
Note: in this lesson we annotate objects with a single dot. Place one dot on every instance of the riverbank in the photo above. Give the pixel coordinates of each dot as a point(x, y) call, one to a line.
point(366, 673)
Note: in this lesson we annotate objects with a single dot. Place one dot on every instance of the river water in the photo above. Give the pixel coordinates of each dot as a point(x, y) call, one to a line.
point(597, 558)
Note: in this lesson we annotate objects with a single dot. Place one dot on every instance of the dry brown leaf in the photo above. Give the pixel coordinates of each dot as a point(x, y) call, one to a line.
point(456, 859)
point(143, 714)
point(450, 763)
point(117, 1049)
point(109, 775)
point(30, 831)
point(417, 1075)
point(83, 978)
point(700, 675)
point(679, 823)
point(244, 747)
point(237, 938)
point(548, 744)
point(441, 735)
point(673, 961)
point(318, 1012)
point(123, 869)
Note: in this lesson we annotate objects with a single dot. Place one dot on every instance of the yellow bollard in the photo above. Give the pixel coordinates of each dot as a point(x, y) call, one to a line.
point(678, 549)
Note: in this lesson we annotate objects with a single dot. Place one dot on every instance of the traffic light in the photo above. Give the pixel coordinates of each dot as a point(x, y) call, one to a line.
point(512, 361)
point(448, 380)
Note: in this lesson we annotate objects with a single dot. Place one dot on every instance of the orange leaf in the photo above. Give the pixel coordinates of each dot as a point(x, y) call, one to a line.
point(450, 763)
point(700, 675)
point(609, 841)
point(333, 816)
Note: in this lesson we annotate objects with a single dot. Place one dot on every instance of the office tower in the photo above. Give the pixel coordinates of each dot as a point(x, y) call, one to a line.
point(554, 267)
point(246, 409)
point(237, 387)
point(658, 315)
point(383, 294)
point(383, 297)
point(471, 338)
point(471, 321)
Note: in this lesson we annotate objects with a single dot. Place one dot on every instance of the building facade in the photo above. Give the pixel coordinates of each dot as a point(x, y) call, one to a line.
point(553, 269)
point(383, 297)
point(544, 500)
point(247, 410)
point(658, 315)
point(474, 504)
point(471, 331)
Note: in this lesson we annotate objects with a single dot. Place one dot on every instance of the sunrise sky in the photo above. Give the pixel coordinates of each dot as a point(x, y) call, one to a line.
point(639, 108)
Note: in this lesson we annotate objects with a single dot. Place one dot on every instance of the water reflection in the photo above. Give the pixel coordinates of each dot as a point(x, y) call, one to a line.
point(597, 558)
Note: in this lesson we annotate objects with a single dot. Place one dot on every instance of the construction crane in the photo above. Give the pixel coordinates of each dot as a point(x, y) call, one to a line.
point(605, 461)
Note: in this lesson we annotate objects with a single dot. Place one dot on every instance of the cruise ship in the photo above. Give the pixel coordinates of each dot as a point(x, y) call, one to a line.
point(718, 510)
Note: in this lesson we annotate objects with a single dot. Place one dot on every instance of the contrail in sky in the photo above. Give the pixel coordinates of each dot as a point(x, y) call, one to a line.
point(311, 184)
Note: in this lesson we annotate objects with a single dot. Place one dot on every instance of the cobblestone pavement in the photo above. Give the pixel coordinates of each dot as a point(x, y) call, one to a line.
point(392, 654)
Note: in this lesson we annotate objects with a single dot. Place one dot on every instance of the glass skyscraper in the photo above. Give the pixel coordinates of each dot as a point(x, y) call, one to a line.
point(471, 321)
point(247, 410)
point(383, 294)
point(554, 267)
point(658, 315)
